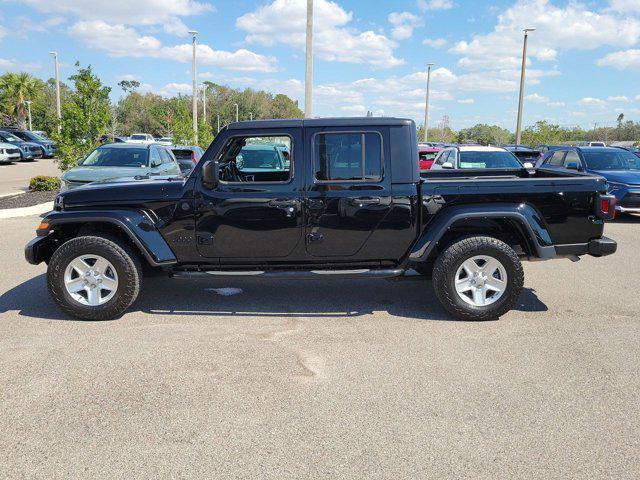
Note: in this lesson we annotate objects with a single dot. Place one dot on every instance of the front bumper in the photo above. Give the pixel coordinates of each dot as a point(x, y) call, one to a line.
point(33, 251)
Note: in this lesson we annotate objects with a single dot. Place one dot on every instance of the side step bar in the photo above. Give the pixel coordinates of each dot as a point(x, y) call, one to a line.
point(293, 274)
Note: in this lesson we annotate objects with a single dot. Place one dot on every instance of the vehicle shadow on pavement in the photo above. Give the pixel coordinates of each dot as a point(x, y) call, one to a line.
point(256, 298)
point(626, 219)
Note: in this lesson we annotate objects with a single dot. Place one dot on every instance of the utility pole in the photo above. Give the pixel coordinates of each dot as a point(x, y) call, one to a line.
point(236, 105)
point(251, 116)
point(218, 123)
point(308, 78)
point(426, 104)
point(522, 73)
point(58, 110)
point(28, 103)
point(194, 34)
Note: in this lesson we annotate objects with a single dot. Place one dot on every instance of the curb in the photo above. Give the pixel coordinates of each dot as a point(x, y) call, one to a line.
point(26, 211)
point(19, 192)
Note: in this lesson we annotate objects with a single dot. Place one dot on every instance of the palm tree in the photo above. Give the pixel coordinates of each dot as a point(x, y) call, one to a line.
point(15, 88)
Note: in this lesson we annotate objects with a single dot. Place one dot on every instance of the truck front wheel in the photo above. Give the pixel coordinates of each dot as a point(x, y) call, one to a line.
point(94, 278)
point(478, 278)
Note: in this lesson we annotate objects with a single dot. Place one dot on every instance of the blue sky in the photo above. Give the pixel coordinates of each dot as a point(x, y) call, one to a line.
point(583, 68)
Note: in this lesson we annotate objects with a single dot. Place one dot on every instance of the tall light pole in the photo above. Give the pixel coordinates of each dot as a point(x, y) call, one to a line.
point(426, 103)
point(237, 112)
point(308, 78)
point(58, 110)
point(218, 123)
point(194, 34)
point(251, 116)
point(28, 104)
point(522, 72)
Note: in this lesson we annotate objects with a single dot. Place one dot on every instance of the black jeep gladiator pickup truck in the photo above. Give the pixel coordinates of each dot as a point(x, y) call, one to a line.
point(320, 198)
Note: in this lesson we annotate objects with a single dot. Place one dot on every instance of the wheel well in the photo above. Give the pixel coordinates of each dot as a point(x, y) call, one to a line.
point(507, 230)
point(67, 231)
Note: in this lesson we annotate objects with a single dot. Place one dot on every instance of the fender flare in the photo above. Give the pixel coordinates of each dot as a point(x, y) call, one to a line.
point(525, 215)
point(134, 223)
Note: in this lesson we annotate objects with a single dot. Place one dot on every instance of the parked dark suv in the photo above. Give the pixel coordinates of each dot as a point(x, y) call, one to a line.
point(48, 146)
point(28, 150)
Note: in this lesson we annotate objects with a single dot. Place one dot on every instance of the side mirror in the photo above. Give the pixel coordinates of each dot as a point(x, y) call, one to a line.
point(572, 166)
point(210, 174)
point(447, 165)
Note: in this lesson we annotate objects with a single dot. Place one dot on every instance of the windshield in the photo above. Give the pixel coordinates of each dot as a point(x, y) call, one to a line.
point(267, 159)
point(8, 137)
point(488, 160)
point(621, 160)
point(138, 137)
point(116, 157)
point(33, 136)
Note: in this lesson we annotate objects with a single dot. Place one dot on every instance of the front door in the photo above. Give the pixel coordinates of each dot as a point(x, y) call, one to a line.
point(349, 191)
point(256, 210)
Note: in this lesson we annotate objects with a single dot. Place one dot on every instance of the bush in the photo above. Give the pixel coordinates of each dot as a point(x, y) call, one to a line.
point(42, 183)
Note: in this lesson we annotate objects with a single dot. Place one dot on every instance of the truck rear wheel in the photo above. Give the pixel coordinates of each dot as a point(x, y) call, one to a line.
point(478, 278)
point(94, 278)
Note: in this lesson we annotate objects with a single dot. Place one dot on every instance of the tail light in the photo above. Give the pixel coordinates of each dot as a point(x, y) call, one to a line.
point(606, 207)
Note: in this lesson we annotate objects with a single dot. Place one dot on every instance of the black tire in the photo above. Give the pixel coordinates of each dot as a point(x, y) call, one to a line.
point(123, 258)
point(450, 261)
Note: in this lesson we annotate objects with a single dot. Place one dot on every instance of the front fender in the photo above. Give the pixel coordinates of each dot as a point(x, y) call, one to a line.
point(525, 215)
point(134, 223)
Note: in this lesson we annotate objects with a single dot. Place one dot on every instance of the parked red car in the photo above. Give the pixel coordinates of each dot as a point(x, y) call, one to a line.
point(426, 156)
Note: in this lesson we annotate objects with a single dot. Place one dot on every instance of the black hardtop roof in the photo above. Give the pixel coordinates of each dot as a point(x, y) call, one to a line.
point(320, 122)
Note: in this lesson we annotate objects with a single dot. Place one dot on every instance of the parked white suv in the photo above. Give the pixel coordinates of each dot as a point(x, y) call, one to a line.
point(9, 153)
point(475, 157)
point(141, 138)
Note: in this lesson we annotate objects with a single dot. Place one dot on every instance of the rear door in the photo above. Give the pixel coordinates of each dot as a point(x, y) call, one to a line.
point(349, 190)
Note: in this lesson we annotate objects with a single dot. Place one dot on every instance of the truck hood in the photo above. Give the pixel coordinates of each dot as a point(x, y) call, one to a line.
point(630, 177)
point(96, 174)
point(126, 191)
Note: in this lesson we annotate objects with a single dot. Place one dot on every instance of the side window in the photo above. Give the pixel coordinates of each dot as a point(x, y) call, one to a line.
point(154, 158)
point(572, 157)
point(443, 157)
point(556, 158)
point(166, 156)
point(255, 159)
point(348, 157)
point(453, 156)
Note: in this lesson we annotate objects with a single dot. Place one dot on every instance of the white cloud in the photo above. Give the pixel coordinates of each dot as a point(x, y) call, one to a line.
point(624, 6)
point(467, 101)
point(3, 32)
point(138, 12)
point(622, 59)
point(354, 109)
point(536, 98)
point(435, 4)
point(434, 42)
point(403, 24)
point(618, 98)
point(284, 22)
point(592, 102)
point(123, 41)
point(11, 63)
point(556, 104)
point(558, 28)
point(129, 77)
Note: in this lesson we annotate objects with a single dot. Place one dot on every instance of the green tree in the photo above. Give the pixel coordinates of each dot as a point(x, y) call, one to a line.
point(484, 135)
point(543, 133)
point(85, 117)
point(15, 89)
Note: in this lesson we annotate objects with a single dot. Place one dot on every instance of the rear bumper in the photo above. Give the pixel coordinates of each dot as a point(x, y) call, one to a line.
point(598, 247)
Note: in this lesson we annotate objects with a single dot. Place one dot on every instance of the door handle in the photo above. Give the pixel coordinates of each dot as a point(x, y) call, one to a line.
point(366, 200)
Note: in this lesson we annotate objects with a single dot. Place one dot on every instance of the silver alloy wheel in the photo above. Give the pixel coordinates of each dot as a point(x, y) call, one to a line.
point(481, 280)
point(91, 280)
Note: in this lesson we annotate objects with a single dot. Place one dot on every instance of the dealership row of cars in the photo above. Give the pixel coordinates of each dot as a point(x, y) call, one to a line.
point(619, 165)
point(18, 145)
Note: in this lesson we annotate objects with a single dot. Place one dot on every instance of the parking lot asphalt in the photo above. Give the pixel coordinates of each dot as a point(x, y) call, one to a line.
point(324, 379)
point(15, 177)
